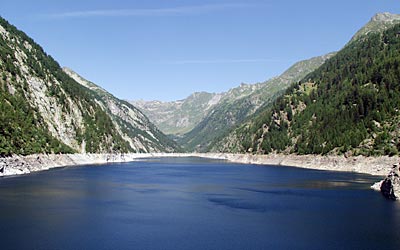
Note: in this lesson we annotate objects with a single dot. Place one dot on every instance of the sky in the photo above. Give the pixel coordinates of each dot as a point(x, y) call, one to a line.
point(167, 49)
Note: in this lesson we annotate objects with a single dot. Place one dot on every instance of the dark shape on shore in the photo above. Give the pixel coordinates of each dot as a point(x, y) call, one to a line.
point(390, 187)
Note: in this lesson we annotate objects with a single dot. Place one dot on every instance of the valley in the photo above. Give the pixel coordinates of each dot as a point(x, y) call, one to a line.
point(272, 116)
point(199, 125)
point(343, 104)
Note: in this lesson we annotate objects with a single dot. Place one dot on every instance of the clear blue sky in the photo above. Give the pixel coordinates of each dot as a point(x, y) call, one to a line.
point(167, 49)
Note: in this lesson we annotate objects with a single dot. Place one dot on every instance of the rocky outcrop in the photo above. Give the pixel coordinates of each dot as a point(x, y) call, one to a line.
point(390, 186)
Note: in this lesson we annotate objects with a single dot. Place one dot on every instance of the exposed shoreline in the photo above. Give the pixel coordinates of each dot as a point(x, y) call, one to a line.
point(378, 166)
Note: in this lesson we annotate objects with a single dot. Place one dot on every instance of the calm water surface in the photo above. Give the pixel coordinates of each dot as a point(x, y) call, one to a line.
point(195, 204)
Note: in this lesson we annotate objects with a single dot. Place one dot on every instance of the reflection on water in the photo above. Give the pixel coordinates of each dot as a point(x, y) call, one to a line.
point(192, 203)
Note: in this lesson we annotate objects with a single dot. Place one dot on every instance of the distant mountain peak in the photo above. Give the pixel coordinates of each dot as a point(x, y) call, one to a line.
point(378, 23)
point(385, 17)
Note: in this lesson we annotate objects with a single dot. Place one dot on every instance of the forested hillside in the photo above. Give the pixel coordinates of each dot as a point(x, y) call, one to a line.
point(238, 104)
point(43, 110)
point(348, 105)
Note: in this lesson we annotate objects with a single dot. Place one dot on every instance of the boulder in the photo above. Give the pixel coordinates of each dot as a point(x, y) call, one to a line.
point(390, 187)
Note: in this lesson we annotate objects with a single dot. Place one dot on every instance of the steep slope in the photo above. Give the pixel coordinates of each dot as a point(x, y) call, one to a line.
point(349, 105)
point(133, 126)
point(240, 103)
point(179, 117)
point(42, 109)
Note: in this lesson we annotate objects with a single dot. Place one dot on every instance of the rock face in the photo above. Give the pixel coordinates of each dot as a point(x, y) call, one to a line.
point(390, 186)
point(179, 117)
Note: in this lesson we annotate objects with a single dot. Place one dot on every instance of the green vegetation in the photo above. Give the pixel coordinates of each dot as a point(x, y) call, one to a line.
point(225, 115)
point(198, 122)
point(21, 131)
point(349, 104)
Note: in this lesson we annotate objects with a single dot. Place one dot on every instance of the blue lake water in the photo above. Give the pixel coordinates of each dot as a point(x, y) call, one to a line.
point(193, 203)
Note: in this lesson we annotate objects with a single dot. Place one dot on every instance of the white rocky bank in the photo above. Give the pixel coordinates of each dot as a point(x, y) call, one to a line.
point(17, 165)
point(379, 166)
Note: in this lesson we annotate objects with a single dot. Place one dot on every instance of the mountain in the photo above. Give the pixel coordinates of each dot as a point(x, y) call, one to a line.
point(348, 105)
point(238, 104)
point(133, 126)
point(179, 117)
point(44, 110)
point(198, 120)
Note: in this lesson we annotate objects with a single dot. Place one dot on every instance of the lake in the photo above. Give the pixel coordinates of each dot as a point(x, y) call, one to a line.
point(193, 203)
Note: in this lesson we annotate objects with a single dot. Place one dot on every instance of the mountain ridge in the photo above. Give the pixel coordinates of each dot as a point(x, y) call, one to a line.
point(228, 109)
point(179, 117)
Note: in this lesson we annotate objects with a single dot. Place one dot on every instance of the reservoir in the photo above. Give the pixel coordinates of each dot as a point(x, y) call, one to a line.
point(194, 203)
